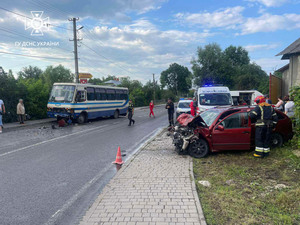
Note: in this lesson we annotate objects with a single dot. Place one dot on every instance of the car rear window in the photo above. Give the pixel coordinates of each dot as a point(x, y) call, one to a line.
point(184, 105)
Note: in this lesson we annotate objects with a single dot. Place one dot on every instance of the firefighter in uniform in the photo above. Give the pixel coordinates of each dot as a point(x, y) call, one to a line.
point(130, 113)
point(266, 119)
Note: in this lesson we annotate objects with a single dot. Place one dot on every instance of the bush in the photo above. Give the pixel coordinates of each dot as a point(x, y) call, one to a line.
point(295, 92)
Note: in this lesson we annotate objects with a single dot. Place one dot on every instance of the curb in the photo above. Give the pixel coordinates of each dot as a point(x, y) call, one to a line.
point(143, 146)
point(196, 196)
point(8, 126)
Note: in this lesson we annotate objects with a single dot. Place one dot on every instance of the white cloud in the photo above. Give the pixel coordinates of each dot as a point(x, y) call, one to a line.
point(270, 64)
point(270, 3)
point(225, 18)
point(269, 23)
point(252, 48)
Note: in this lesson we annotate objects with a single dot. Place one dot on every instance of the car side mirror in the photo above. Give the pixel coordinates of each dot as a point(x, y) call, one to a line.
point(220, 128)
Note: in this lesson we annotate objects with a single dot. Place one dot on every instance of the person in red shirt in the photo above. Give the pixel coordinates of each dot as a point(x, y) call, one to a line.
point(193, 106)
point(151, 106)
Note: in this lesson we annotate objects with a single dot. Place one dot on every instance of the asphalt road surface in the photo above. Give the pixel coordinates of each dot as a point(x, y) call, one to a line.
point(52, 176)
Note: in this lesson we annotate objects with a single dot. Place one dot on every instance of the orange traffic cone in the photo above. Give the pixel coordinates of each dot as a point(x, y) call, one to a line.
point(119, 157)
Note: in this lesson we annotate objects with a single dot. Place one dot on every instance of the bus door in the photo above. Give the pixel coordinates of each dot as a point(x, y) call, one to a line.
point(80, 96)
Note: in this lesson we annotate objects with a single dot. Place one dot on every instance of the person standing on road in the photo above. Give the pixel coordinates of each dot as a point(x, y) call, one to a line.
point(170, 107)
point(2, 111)
point(130, 113)
point(151, 106)
point(21, 111)
point(193, 106)
point(266, 119)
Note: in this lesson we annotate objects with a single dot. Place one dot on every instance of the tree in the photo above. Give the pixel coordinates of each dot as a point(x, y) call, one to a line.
point(177, 78)
point(32, 72)
point(230, 67)
point(57, 74)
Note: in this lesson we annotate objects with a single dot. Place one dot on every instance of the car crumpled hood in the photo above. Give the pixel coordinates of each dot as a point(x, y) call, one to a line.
point(187, 119)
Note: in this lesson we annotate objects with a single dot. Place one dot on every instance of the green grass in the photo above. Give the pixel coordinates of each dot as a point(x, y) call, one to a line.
point(250, 197)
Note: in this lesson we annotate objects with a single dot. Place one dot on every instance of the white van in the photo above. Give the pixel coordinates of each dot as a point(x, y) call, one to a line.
point(210, 96)
point(246, 96)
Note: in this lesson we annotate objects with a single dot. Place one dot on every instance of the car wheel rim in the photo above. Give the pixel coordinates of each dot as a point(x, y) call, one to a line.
point(198, 148)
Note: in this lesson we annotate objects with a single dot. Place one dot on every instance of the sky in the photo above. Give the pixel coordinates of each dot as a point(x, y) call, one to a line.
point(137, 38)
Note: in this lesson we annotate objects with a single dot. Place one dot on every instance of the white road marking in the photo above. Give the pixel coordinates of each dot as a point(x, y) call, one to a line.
point(54, 139)
point(87, 185)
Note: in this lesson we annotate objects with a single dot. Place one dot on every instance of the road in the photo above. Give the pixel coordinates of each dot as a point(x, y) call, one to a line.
point(52, 176)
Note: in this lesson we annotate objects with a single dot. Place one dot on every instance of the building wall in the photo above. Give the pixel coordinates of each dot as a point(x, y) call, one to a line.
point(286, 81)
point(295, 70)
point(291, 76)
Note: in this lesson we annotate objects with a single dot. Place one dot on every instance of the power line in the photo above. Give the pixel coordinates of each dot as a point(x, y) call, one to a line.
point(85, 62)
point(106, 58)
point(33, 56)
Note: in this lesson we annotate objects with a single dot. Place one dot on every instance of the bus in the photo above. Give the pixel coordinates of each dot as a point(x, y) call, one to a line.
point(82, 102)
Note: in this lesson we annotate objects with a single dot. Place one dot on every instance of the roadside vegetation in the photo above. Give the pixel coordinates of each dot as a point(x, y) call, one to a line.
point(247, 190)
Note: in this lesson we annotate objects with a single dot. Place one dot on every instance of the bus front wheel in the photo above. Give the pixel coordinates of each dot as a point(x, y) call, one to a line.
point(81, 118)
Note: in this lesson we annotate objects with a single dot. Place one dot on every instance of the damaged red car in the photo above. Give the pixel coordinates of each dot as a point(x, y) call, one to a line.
point(222, 129)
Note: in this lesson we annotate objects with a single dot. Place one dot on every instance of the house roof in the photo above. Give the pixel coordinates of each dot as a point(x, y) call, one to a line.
point(293, 48)
point(114, 82)
point(284, 68)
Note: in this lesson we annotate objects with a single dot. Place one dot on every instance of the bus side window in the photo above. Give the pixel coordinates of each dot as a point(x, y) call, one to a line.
point(119, 94)
point(90, 94)
point(124, 95)
point(111, 94)
point(100, 94)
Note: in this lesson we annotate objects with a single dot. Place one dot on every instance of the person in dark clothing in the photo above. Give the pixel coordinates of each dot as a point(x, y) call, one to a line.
point(266, 119)
point(268, 100)
point(130, 113)
point(170, 107)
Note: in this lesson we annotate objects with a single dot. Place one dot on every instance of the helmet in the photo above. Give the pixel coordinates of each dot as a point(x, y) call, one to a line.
point(259, 99)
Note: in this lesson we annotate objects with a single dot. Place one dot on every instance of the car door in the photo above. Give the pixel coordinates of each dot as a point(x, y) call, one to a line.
point(235, 135)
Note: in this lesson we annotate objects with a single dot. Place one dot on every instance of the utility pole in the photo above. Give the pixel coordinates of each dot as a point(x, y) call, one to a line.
point(154, 88)
point(75, 48)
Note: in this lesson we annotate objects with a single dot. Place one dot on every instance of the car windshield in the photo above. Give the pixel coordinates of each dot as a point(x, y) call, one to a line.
point(184, 105)
point(62, 93)
point(209, 116)
point(215, 99)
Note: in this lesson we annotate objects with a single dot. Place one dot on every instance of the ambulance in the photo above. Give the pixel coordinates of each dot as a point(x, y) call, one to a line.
point(210, 96)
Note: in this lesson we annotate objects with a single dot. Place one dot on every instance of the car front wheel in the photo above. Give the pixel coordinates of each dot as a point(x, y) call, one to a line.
point(198, 149)
point(276, 140)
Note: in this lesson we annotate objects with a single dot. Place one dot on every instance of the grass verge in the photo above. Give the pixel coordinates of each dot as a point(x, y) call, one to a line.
point(247, 190)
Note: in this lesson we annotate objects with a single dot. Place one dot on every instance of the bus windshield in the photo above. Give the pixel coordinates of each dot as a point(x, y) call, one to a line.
point(215, 99)
point(62, 93)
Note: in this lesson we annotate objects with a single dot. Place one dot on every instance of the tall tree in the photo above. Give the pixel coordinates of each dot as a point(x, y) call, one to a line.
point(177, 78)
point(230, 67)
point(30, 72)
point(57, 74)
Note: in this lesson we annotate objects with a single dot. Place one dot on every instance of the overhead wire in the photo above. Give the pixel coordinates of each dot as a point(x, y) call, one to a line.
point(63, 12)
point(33, 56)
